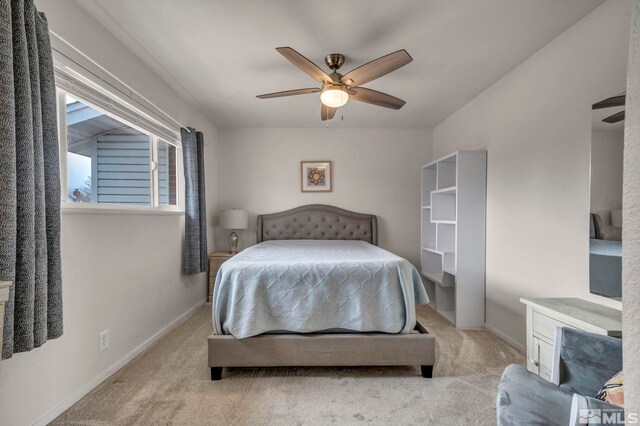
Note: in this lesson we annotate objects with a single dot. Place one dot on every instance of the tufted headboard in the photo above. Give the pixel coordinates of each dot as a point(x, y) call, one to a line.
point(317, 222)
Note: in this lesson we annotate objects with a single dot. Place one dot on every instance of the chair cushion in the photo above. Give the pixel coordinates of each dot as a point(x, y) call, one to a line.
point(588, 361)
point(525, 398)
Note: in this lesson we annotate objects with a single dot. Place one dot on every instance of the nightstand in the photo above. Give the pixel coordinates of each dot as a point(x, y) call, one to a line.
point(216, 259)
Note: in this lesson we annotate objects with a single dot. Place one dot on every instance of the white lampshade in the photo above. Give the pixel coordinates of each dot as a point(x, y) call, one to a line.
point(616, 218)
point(334, 96)
point(234, 219)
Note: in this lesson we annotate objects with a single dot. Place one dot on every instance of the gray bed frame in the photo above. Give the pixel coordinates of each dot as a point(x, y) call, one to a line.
point(321, 222)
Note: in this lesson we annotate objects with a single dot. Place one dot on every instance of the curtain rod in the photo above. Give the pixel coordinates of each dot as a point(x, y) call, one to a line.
point(131, 90)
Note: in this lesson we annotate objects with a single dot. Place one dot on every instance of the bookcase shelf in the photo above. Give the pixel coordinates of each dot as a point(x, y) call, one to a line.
point(429, 181)
point(429, 230)
point(443, 206)
point(448, 190)
point(453, 217)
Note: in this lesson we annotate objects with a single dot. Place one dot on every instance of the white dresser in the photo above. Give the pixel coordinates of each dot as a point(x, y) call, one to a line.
point(544, 315)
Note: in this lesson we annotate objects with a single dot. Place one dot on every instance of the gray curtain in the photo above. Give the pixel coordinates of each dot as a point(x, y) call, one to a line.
point(29, 180)
point(195, 224)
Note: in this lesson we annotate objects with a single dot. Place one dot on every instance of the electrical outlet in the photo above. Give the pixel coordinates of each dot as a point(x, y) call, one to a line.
point(103, 340)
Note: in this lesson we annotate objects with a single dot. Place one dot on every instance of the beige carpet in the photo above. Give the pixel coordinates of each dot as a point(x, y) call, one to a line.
point(169, 385)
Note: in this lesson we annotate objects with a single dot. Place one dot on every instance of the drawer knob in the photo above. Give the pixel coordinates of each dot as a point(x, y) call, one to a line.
point(534, 362)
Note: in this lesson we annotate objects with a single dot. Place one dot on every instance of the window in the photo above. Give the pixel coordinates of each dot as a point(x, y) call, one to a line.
point(111, 162)
point(167, 173)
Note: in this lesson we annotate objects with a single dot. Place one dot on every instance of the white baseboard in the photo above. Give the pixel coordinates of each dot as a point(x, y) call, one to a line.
point(506, 338)
point(93, 383)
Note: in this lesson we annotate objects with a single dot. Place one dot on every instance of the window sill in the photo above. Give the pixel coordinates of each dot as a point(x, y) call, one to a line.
point(73, 208)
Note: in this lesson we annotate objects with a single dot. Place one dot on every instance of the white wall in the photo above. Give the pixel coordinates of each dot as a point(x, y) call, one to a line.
point(606, 172)
point(374, 171)
point(120, 272)
point(631, 234)
point(535, 123)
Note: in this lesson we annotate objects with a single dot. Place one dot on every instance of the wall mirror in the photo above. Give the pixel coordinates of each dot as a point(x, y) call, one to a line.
point(605, 219)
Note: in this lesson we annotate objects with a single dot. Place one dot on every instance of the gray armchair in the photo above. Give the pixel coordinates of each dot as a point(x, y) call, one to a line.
point(583, 362)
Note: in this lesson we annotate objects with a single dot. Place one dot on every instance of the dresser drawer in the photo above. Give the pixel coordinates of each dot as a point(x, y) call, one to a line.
point(544, 327)
point(215, 265)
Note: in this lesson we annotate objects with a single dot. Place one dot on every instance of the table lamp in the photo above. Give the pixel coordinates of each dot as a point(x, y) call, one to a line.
point(234, 219)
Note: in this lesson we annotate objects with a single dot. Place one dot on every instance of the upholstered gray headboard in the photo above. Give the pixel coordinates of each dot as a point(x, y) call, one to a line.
point(318, 222)
point(595, 231)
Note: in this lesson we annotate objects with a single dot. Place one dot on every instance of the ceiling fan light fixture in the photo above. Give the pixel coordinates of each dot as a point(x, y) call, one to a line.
point(334, 96)
point(336, 88)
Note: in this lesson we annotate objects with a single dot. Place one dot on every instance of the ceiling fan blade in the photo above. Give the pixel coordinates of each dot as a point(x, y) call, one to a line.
point(289, 93)
point(304, 64)
point(376, 68)
point(327, 113)
point(613, 101)
point(619, 116)
point(376, 98)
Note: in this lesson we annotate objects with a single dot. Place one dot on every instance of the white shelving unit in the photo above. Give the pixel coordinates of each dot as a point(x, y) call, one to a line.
point(453, 236)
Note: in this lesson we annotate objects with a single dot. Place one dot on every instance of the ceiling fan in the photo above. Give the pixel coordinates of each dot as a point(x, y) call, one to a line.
point(336, 88)
point(614, 101)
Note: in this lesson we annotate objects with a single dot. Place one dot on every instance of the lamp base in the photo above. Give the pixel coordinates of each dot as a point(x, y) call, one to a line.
point(233, 242)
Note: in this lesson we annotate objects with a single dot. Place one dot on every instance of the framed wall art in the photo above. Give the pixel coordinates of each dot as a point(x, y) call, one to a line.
point(315, 176)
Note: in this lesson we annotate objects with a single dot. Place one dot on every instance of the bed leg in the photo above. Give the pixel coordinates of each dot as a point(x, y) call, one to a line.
point(427, 371)
point(216, 373)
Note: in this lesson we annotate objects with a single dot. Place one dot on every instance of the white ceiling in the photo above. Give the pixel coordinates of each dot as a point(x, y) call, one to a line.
point(220, 54)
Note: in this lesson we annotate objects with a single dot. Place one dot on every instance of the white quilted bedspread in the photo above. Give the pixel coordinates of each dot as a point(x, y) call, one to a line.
point(306, 286)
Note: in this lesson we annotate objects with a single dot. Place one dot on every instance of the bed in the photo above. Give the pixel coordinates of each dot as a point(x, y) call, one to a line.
point(605, 267)
point(317, 291)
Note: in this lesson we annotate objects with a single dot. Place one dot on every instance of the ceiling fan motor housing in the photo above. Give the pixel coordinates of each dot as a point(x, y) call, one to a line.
point(334, 60)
